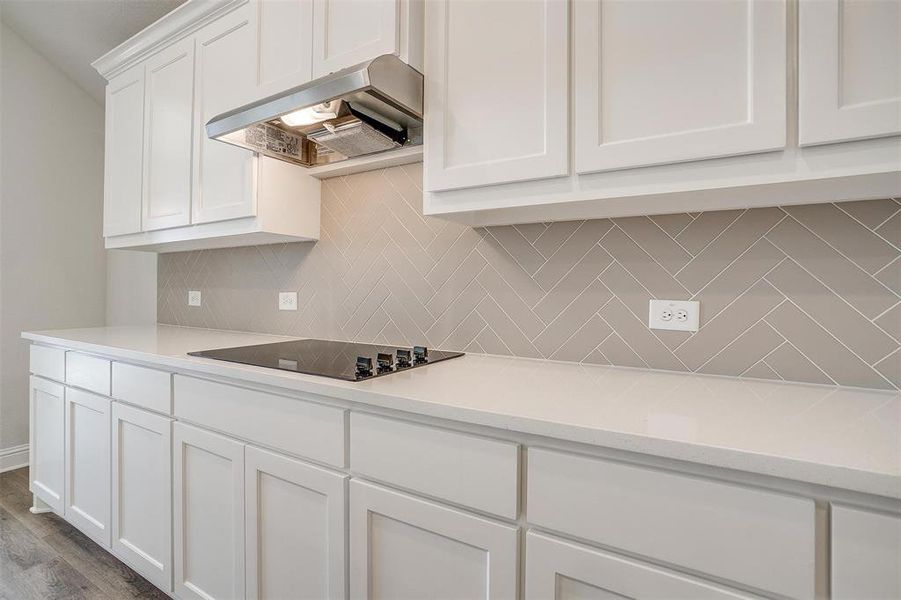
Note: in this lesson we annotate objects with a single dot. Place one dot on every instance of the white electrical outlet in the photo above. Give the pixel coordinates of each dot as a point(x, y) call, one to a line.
point(287, 300)
point(680, 315)
point(194, 298)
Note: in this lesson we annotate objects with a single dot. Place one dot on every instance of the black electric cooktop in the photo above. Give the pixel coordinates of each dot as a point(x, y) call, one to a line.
point(339, 360)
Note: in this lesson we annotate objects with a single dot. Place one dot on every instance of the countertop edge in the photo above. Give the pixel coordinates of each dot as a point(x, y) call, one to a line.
point(833, 476)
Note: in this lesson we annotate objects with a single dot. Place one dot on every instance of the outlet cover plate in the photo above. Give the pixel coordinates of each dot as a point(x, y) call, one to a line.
point(194, 298)
point(287, 300)
point(677, 315)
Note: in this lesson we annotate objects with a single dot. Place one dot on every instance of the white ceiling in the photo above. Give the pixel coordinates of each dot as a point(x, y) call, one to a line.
point(72, 33)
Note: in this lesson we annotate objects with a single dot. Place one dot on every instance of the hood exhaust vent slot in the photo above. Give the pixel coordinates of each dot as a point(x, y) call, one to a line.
point(372, 107)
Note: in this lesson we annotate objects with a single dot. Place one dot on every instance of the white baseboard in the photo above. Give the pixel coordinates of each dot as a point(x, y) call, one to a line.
point(13, 458)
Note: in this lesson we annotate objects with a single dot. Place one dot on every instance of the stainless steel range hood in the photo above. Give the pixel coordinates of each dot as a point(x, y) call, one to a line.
point(375, 106)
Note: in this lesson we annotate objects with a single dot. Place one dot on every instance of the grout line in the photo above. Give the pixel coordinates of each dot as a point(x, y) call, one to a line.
point(578, 227)
point(513, 321)
point(622, 339)
point(890, 217)
point(890, 263)
point(867, 227)
point(673, 238)
point(499, 338)
point(507, 250)
point(449, 277)
point(568, 271)
point(715, 238)
point(597, 348)
point(443, 254)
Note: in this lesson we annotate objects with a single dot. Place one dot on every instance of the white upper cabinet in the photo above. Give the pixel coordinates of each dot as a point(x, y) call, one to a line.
point(346, 32)
point(660, 82)
point(496, 92)
point(286, 47)
point(124, 154)
point(850, 70)
point(226, 73)
point(168, 137)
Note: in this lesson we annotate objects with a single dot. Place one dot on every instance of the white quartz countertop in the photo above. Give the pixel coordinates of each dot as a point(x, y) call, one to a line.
point(839, 437)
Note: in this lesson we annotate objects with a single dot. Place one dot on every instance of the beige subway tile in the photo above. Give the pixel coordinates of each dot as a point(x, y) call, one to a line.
point(740, 236)
point(737, 278)
point(450, 260)
point(518, 247)
point(554, 236)
point(715, 334)
point(531, 231)
point(761, 370)
point(584, 341)
point(640, 338)
point(655, 242)
point(891, 229)
point(511, 302)
point(831, 312)
point(871, 213)
point(791, 365)
point(891, 322)
point(506, 329)
point(745, 351)
point(890, 368)
point(445, 324)
point(825, 351)
point(490, 343)
point(705, 228)
point(890, 276)
point(471, 266)
point(572, 318)
point(617, 352)
point(570, 252)
point(465, 333)
point(513, 274)
point(672, 224)
point(642, 266)
point(868, 251)
point(845, 278)
point(596, 358)
point(571, 285)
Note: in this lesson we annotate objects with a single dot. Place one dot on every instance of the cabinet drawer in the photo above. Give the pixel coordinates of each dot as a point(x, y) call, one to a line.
point(144, 387)
point(473, 471)
point(88, 372)
point(866, 552)
point(758, 538)
point(295, 426)
point(48, 362)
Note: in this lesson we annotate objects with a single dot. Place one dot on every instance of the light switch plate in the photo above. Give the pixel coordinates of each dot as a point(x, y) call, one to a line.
point(193, 298)
point(287, 300)
point(678, 315)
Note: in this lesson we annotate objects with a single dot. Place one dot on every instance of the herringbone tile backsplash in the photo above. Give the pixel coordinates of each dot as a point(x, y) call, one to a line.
point(801, 293)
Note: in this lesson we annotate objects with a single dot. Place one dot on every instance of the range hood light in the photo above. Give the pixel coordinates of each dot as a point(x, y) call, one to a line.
point(311, 115)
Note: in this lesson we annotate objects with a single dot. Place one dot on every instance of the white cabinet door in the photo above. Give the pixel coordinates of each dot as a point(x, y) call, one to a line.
point(404, 547)
point(866, 554)
point(46, 450)
point(294, 528)
point(849, 67)
point(665, 81)
point(208, 511)
point(88, 464)
point(168, 129)
point(559, 570)
point(496, 92)
point(226, 77)
point(124, 153)
point(142, 492)
point(286, 46)
point(347, 32)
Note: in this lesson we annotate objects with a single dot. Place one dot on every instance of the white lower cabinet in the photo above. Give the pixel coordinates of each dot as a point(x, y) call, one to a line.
point(88, 464)
point(560, 570)
point(142, 492)
point(866, 554)
point(47, 447)
point(295, 533)
point(208, 514)
point(403, 547)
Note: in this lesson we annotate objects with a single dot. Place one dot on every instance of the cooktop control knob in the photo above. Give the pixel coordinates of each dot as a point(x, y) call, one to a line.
point(404, 357)
point(385, 362)
point(420, 354)
point(364, 367)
